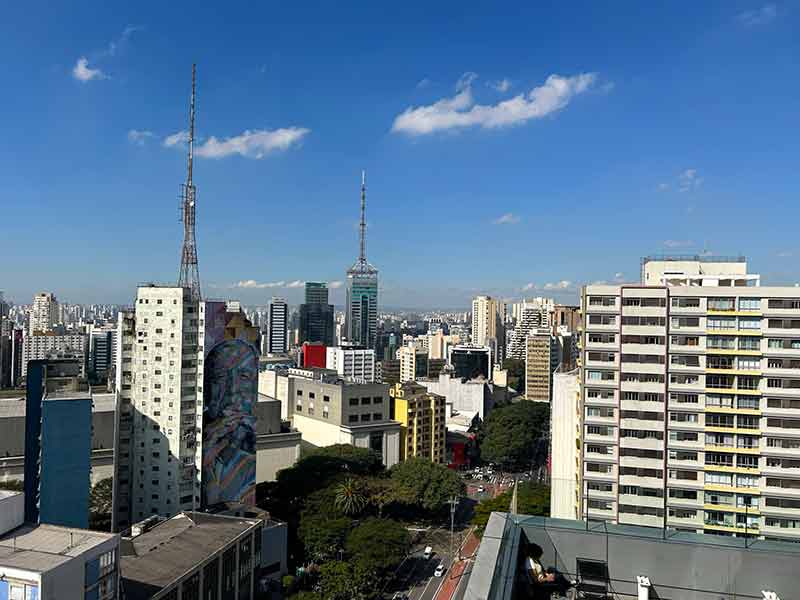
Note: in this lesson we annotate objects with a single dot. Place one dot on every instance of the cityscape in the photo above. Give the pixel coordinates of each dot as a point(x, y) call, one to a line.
point(592, 393)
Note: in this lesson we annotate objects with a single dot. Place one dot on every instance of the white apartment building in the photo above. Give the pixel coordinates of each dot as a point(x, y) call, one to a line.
point(565, 435)
point(528, 315)
point(52, 344)
point(44, 313)
point(355, 363)
point(160, 405)
point(484, 320)
point(407, 355)
point(690, 398)
point(277, 339)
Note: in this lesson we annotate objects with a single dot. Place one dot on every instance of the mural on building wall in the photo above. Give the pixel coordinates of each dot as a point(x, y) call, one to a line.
point(230, 390)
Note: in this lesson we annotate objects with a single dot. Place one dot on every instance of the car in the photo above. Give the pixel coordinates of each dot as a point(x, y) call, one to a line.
point(481, 489)
point(439, 570)
point(400, 596)
point(428, 552)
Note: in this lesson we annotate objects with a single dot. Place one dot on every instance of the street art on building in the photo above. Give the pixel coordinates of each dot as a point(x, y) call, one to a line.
point(230, 390)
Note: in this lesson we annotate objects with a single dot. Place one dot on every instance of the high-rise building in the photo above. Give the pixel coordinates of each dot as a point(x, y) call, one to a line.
point(316, 315)
point(484, 320)
point(541, 359)
point(53, 344)
point(183, 365)
point(277, 340)
point(565, 443)
point(361, 316)
point(421, 415)
point(102, 342)
point(314, 355)
point(44, 313)
point(352, 362)
point(57, 457)
point(531, 314)
point(407, 355)
point(690, 400)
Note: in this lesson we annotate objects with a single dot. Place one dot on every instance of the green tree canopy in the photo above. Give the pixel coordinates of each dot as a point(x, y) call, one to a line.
point(516, 373)
point(322, 528)
point(510, 433)
point(377, 545)
point(340, 580)
point(427, 485)
point(351, 496)
point(532, 500)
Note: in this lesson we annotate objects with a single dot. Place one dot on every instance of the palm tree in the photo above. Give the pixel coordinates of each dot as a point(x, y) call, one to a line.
point(350, 497)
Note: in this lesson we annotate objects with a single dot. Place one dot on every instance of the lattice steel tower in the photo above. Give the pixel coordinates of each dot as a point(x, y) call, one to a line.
point(189, 276)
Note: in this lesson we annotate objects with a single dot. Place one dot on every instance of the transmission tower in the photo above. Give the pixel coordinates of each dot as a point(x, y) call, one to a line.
point(189, 276)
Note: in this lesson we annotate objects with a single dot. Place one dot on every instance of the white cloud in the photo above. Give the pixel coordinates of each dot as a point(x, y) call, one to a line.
point(785, 254)
point(559, 285)
point(506, 219)
point(678, 243)
point(423, 83)
point(335, 285)
point(501, 86)
point(759, 16)
point(295, 284)
point(662, 187)
point(252, 284)
point(83, 72)
point(619, 276)
point(115, 45)
point(139, 136)
point(181, 137)
point(252, 144)
point(461, 111)
point(689, 180)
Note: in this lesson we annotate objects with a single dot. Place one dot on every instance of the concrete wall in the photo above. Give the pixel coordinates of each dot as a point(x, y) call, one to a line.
point(275, 452)
point(12, 510)
point(564, 454)
point(468, 396)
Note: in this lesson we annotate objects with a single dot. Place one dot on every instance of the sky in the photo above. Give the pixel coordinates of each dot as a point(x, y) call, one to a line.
point(516, 149)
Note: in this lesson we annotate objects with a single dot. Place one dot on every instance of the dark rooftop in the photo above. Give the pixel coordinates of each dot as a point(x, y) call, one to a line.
point(154, 560)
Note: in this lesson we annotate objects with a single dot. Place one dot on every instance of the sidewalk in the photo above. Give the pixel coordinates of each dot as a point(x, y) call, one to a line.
point(453, 576)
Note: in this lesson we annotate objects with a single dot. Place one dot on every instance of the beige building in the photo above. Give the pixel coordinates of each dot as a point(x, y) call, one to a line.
point(541, 359)
point(565, 442)
point(44, 313)
point(407, 355)
point(690, 394)
point(422, 419)
point(484, 320)
point(327, 410)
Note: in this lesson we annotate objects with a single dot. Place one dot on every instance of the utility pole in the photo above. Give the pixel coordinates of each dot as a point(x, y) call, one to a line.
point(513, 507)
point(453, 504)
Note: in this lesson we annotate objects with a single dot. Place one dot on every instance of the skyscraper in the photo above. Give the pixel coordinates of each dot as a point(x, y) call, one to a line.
point(484, 320)
point(361, 317)
point(277, 341)
point(316, 315)
point(44, 313)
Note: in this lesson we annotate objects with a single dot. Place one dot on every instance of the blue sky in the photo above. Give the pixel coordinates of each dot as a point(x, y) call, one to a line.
point(511, 149)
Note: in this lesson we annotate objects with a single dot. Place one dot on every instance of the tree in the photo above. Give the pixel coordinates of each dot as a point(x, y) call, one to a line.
point(428, 486)
point(484, 510)
point(100, 505)
point(340, 580)
point(13, 485)
point(377, 545)
point(382, 492)
point(533, 499)
point(350, 498)
point(322, 534)
point(516, 373)
point(510, 433)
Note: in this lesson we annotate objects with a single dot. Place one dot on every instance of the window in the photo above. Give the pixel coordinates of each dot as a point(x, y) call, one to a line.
point(377, 400)
point(599, 486)
point(749, 364)
point(721, 323)
point(719, 478)
point(721, 342)
point(721, 304)
point(644, 321)
point(602, 301)
point(599, 430)
point(747, 402)
point(685, 340)
point(686, 302)
point(685, 360)
point(682, 417)
point(299, 392)
point(684, 379)
point(682, 455)
point(353, 401)
point(749, 323)
point(715, 400)
point(648, 302)
point(680, 322)
point(598, 468)
point(599, 375)
point(784, 303)
point(749, 303)
point(683, 436)
point(602, 320)
point(641, 434)
point(595, 449)
point(365, 417)
point(650, 359)
point(352, 419)
point(749, 343)
point(600, 504)
point(595, 411)
point(747, 481)
point(366, 400)
point(682, 398)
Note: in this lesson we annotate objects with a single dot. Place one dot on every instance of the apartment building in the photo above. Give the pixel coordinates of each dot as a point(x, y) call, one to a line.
point(407, 355)
point(277, 339)
point(352, 362)
point(328, 409)
point(690, 393)
point(541, 359)
point(44, 313)
point(53, 344)
point(421, 415)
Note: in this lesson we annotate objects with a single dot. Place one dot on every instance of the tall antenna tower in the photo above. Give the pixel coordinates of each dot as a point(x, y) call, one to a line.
point(189, 276)
point(362, 226)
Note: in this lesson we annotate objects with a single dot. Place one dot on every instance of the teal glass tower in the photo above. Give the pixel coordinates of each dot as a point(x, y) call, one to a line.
point(361, 318)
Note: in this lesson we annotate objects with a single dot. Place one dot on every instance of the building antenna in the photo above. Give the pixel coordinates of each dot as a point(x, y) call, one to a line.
point(189, 276)
point(362, 226)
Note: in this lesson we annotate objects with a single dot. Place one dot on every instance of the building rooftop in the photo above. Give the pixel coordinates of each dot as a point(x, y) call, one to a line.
point(40, 548)
point(693, 257)
point(15, 407)
point(688, 566)
point(155, 559)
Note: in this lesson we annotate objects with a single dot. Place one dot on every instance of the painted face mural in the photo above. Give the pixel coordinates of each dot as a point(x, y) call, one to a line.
point(229, 426)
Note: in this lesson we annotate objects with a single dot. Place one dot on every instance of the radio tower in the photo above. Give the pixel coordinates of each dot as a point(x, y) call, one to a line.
point(189, 276)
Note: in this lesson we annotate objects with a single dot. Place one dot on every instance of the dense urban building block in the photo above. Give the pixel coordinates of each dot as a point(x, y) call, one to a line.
point(470, 361)
point(277, 338)
point(421, 415)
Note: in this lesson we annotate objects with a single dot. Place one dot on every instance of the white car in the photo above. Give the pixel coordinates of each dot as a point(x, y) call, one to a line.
point(439, 570)
point(481, 489)
point(428, 552)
